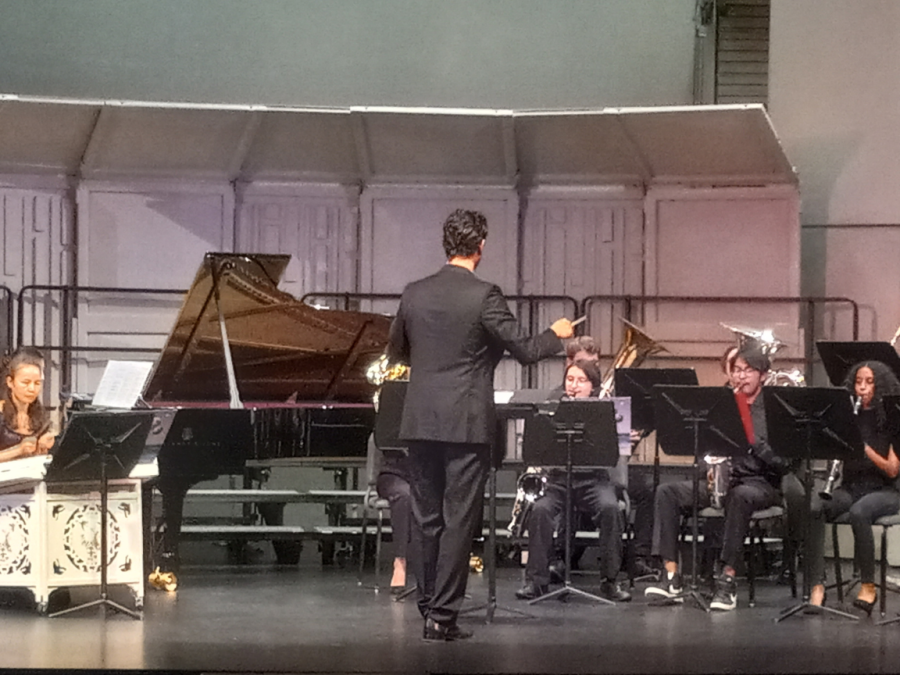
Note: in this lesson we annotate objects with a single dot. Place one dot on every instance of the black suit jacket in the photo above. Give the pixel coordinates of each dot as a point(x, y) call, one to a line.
point(452, 329)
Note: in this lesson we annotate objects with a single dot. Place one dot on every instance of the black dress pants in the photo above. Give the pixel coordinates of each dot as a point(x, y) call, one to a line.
point(640, 494)
point(447, 484)
point(597, 498)
point(396, 490)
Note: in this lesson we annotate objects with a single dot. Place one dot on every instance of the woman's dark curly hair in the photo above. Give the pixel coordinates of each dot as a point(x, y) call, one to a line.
point(463, 231)
point(38, 418)
point(591, 369)
point(886, 384)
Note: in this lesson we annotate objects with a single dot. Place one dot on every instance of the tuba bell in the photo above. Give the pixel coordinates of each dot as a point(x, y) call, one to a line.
point(636, 346)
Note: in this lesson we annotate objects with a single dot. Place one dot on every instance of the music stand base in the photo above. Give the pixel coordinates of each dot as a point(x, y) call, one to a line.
point(816, 609)
point(886, 622)
point(492, 608)
point(99, 602)
point(570, 589)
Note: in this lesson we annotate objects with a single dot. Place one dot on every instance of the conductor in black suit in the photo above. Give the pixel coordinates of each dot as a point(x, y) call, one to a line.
point(452, 329)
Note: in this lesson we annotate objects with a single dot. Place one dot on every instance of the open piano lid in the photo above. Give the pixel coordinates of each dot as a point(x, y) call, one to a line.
point(282, 349)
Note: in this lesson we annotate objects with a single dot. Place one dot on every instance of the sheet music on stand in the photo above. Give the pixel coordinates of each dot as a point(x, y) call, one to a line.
point(121, 384)
point(120, 388)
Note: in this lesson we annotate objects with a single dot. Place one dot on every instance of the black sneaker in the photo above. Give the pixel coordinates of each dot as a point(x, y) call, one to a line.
point(612, 591)
point(557, 572)
point(531, 590)
point(725, 598)
point(669, 587)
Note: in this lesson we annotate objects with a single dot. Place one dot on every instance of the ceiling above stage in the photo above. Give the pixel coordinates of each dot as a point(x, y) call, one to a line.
point(703, 145)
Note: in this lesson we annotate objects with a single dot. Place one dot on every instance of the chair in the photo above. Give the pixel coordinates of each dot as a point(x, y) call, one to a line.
point(885, 522)
point(757, 544)
point(372, 503)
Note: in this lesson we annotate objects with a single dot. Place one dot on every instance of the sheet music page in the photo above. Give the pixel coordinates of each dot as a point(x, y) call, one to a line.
point(122, 384)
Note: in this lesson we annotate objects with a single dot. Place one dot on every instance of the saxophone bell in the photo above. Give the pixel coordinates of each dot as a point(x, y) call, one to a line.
point(530, 487)
point(836, 466)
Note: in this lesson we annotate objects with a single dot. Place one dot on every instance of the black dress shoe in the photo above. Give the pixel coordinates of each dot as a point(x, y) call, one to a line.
point(611, 591)
point(867, 607)
point(531, 590)
point(443, 632)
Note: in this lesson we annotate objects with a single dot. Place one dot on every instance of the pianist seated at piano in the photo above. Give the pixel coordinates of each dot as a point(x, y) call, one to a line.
point(25, 430)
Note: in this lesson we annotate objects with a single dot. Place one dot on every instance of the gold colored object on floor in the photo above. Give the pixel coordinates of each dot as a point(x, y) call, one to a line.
point(163, 581)
point(476, 564)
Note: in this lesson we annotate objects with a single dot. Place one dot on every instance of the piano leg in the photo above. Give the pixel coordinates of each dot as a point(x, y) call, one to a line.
point(173, 494)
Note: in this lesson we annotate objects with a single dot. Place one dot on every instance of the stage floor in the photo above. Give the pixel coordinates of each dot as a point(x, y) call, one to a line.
point(314, 620)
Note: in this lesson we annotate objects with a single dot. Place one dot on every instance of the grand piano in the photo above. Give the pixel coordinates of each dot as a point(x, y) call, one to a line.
point(255, 374)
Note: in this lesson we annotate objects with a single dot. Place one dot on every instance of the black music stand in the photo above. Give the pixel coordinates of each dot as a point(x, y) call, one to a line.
point(839, 357)
point(571, 433)
point(688, 419)
point(100, 447)
point(892, 410)
point(809, 423)
point(637, 384)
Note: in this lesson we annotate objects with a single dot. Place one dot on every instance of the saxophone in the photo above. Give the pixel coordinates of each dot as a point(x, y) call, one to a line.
point(530, 487)
point(836, 466)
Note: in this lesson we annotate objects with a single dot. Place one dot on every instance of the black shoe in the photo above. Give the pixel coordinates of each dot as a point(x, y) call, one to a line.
point(669, 587)
point(557, 572)
point(725, 598)
point(444, 632)
point(867, 607)
point(531, 590)
point(611, 591)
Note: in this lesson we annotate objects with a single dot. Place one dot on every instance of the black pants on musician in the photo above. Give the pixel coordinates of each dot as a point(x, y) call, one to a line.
point(864, 509)
point(447, 485)
point(395, 489)
point(640, 494)
point(674, 500)
point(596, 497)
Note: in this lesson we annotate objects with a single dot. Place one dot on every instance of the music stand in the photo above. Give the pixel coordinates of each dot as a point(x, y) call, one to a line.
point(638, 384)
point(100, 447)
point(839, 357)
point(892, 410)
point(571, 433)
point(811, 423)
point(688, 419)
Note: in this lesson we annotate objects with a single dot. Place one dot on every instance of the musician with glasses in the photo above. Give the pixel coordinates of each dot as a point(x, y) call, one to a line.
point(593, 492)
point(754, 485)
point(868, 490)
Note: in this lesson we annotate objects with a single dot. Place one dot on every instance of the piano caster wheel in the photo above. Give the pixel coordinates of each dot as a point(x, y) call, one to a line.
point(41, 608)
point(139, 604)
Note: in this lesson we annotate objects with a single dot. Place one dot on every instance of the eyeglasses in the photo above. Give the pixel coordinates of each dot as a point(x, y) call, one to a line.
point(743, 371)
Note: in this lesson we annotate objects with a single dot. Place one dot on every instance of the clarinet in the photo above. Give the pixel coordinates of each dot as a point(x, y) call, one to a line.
point(836, 466)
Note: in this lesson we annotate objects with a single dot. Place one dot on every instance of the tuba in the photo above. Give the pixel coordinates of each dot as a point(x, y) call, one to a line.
point(636, 346)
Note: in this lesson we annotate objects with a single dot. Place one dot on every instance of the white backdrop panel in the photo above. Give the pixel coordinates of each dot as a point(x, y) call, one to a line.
point(141, 236)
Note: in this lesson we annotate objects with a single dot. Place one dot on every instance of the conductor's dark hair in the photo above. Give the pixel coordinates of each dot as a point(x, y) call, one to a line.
point(591, 369)
point(38, 418)
point(755, 357)
point(886, 384)
point(463, 231)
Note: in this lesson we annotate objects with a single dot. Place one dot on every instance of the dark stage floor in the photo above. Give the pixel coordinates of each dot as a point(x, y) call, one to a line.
point(309, 619)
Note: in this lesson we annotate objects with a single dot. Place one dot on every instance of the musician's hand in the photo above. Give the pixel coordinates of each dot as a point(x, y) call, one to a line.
point(28, 446)
point(45, 443)
point(562, 328)
point(636, 435)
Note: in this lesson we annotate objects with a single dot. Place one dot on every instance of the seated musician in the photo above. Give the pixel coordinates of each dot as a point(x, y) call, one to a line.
point(754, 485)
point(25, 430)
point(392, 484)
point(592, 491)
point(868, 490)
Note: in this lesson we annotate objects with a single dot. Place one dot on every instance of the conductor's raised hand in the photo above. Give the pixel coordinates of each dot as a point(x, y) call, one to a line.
point(562, 328)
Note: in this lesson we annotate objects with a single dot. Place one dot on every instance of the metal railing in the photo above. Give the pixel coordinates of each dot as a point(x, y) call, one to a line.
point(68, 308)
point(6, 302)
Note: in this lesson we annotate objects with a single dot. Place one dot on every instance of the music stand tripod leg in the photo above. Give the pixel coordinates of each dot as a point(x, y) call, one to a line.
point(567, 587)
point(103, 601)
point(491, 606)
